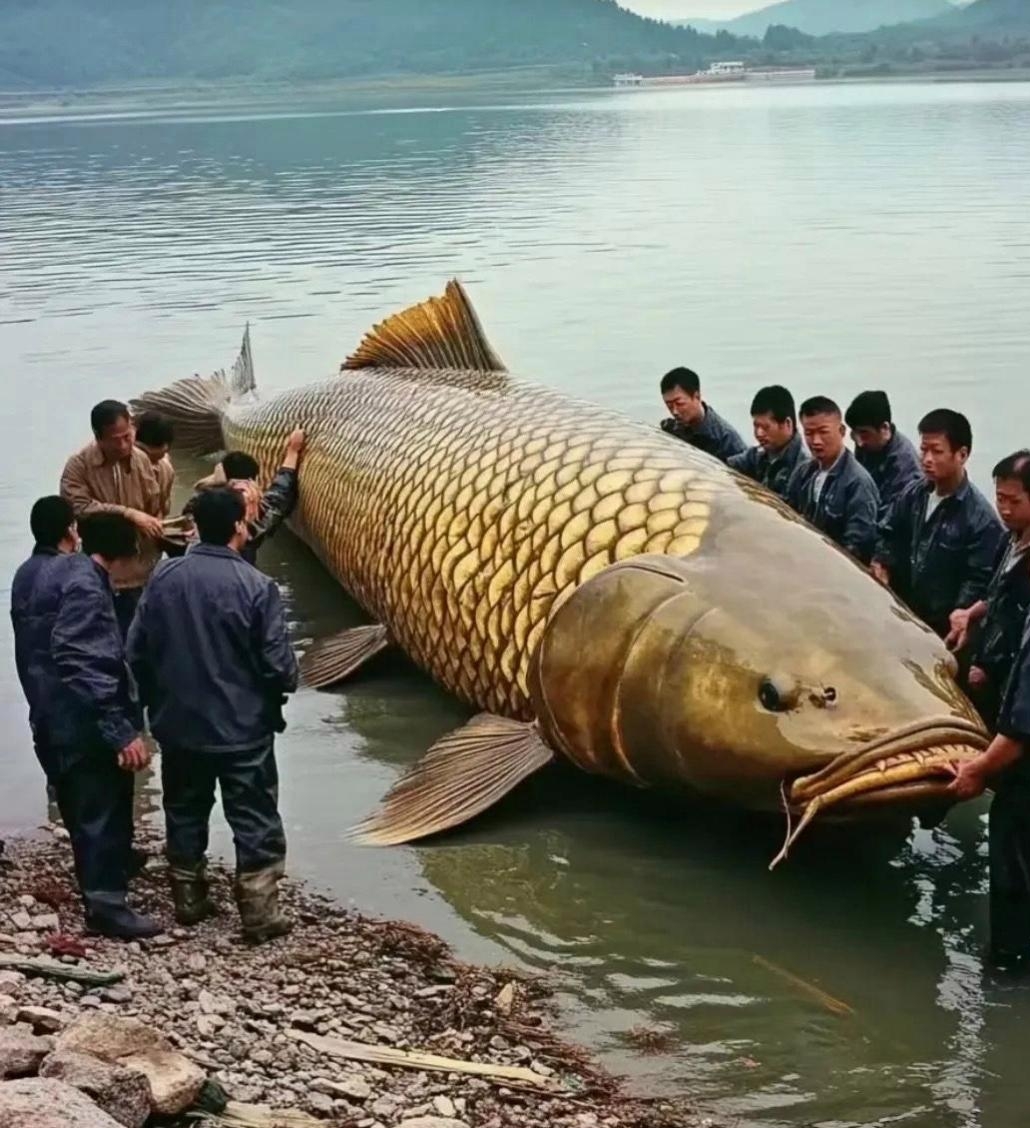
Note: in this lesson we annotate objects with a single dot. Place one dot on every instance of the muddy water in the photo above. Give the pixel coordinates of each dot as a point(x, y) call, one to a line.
point(831, 238)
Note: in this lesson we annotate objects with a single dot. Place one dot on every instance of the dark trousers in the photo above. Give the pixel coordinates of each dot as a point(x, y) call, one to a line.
point(125, 603)
point(94, 797)
point(1010, 871)
point(249, 782)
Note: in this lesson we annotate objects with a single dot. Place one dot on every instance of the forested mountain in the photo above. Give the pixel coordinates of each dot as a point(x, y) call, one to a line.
point(824, 17)
point(992, 15)
point(68, 42)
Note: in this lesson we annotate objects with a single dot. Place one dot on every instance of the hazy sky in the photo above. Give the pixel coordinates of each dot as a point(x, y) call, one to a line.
point(683, 9)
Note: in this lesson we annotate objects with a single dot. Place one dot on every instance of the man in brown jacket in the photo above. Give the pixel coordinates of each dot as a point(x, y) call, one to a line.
point(112, 475)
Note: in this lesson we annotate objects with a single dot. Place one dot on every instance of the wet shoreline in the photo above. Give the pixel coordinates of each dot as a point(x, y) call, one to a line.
point(263, 1022)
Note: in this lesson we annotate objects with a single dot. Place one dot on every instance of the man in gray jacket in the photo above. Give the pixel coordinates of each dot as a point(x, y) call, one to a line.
point(212, 658)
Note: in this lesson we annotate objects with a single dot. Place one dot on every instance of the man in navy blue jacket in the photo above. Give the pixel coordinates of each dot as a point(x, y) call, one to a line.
point(938, 543)
point(211, 654)
point(85, 724)
point(891, 459)
point(831, 490)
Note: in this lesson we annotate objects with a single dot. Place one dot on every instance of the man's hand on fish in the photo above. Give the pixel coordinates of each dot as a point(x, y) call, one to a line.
point(147, 524)
point(134, 757)
point(970, 781)
point(880, 573)
point(294, 449)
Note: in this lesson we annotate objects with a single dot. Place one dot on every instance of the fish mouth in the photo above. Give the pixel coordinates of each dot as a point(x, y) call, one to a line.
point(904, 768)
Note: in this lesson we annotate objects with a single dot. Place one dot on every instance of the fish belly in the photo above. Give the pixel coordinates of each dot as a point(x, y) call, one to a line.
point(458, 507)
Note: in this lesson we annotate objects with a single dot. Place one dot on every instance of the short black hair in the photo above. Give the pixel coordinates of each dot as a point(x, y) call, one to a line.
point(217, 512)
point(154, 430)
point(105, 413)
point(239, 466)
point(869, 409)
point(684, 378)
point(51, 520)
point(1014, 468)
point(819, 405)
point(953, 425)
point(110, 535)
point(775, 401)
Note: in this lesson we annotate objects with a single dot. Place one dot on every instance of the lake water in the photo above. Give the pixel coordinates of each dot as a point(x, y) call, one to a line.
point(828, 237)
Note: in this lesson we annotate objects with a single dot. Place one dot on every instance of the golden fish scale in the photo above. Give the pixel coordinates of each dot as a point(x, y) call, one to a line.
point(457, 507)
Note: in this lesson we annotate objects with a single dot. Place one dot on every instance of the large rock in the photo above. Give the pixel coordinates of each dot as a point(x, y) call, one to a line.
point(42, 1103)
point(21, 1052)
point(175, 1081)
point(108, 1037)
point(122, 1093)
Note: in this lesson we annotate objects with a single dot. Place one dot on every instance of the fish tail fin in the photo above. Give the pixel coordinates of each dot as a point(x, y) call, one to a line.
point(194, 406)
point(461, 776)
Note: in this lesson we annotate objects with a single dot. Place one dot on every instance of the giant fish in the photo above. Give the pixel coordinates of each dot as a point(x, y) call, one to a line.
point(595, 589)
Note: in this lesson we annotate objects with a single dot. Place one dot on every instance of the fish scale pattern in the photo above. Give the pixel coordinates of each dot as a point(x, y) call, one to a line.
point(459, 507)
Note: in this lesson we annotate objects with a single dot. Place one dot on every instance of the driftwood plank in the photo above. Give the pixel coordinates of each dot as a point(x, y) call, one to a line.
point(256, 1116)
point(412, 1059)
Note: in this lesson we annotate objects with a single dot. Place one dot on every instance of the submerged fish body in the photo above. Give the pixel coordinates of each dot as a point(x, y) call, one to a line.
point(599, 589)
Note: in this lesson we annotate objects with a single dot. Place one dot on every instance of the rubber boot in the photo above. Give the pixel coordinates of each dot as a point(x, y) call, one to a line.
point(107, 914)
point(190, 894)
point(257, 898)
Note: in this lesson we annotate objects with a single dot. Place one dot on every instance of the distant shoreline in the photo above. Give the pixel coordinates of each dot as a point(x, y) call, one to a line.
point(398, 91)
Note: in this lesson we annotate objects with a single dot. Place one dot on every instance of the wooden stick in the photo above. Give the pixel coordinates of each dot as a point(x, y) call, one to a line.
point(50, 969)
point(835, 1006)
point(411, 1059)
point(256, 1116)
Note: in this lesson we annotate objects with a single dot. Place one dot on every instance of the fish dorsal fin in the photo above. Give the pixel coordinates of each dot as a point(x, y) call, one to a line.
point(438, 333)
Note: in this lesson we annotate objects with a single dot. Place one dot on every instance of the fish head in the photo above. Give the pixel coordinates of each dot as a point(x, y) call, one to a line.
point(754, 686)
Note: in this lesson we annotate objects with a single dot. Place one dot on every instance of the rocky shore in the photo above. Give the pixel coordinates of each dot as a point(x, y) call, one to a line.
point(349, 1022)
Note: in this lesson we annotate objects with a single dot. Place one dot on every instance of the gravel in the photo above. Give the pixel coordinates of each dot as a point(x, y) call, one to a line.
point(228, 1007)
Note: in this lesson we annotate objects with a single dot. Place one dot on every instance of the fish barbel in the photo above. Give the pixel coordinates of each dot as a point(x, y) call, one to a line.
point(596, 589)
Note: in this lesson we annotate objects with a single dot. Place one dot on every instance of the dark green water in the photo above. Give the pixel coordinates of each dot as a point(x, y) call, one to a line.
point(831, 238)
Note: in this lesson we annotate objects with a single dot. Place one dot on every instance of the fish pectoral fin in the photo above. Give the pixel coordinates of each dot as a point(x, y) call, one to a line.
point(332, 659)
point(462, 775)
point(439, 333)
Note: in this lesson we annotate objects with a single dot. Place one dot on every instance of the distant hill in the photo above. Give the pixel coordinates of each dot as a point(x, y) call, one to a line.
point(87, 42)
point(995, 15)
point(826, 17)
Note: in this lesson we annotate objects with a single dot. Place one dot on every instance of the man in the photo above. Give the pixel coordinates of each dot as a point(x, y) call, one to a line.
point(211, 655)
point(693, 421)
point(831, 490)
point(154, 436)
point(1005, 767)
point(85, 727)
point(938, 543)
point(264, 512)
point(780, 448)
point(111, 475)
point(994, 625)
point(891, 459)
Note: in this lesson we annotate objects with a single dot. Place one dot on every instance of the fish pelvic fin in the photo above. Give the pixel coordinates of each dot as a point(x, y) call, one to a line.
point(195, 405)
point(438, 333)
point(332, 660)
point(462, 775)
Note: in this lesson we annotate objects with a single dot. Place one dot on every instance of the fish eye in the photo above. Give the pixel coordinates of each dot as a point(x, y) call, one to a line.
point(771, 697)
point(830, 695)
